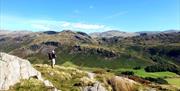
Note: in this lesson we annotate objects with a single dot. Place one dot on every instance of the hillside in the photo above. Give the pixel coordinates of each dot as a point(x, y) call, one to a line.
point(145, 57)
point(70, 77)
point(113, 52)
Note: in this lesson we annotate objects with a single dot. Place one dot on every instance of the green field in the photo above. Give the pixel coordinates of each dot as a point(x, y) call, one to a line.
point(140, 72)
point(174, 81)
point(143, 73)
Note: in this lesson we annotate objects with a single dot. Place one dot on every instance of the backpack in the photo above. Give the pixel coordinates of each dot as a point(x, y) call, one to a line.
point(50, 55)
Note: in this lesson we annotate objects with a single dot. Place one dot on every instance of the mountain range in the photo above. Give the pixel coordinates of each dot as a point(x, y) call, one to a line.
point(113, 45)
point(113, 51)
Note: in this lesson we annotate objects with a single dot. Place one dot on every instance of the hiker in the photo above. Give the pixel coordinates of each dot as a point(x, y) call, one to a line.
point(52, 57)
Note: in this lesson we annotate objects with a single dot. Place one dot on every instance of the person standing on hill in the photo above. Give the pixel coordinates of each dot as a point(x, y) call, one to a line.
point(52, 57)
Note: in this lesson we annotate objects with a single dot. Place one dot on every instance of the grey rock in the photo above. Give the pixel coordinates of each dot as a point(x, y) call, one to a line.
point(91, 75)
point(96, 87)
point(47, 83)
point(13, 68)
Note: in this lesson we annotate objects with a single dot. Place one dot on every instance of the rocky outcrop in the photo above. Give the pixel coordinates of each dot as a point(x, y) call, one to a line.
point(13, 68)
point(107, 53)
point(95, 87)
point(123, 84)
point(51, 43)
point(91, 75)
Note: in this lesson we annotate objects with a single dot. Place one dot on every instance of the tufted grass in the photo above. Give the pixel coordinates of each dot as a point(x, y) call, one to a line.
point(174, 81)
point(31, 84)
point(63, 78)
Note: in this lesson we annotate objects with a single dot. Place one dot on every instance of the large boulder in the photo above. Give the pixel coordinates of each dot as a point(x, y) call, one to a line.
point(13, 68)
point(123, 84)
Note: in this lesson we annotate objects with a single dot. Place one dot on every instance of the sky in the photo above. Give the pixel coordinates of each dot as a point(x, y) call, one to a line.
point(90, 15)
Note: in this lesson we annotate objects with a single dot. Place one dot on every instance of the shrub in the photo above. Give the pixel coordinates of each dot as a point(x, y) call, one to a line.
point(162, 67)
point(108, 70)
point(127, 73)
point(137, 68)
point(157, 80)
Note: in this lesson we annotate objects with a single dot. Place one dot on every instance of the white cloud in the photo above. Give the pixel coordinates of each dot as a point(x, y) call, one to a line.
point(14, 23)
point(87, 26)
point(65, 24)
point(61, 25)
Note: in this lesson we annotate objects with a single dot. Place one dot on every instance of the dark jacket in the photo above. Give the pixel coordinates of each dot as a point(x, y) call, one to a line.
point(51, 55)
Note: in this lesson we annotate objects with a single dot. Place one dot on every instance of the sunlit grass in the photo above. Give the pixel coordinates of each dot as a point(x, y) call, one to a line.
point(31, 84)
point(62, 77)
point(143, 73)
point(173, 81)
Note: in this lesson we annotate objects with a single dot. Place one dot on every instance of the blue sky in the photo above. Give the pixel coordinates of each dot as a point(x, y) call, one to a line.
point(90, 15)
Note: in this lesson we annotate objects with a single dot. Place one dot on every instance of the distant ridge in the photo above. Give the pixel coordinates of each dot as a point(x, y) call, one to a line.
point(50, 32)
point(113, 33)
point(157, 32)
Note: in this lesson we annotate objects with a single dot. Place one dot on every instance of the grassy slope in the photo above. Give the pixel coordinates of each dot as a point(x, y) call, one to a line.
point(174, 81)
point(142, 73)
point(29, 85)
point(86, 60)
point(62, 78)
point(127, 59)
